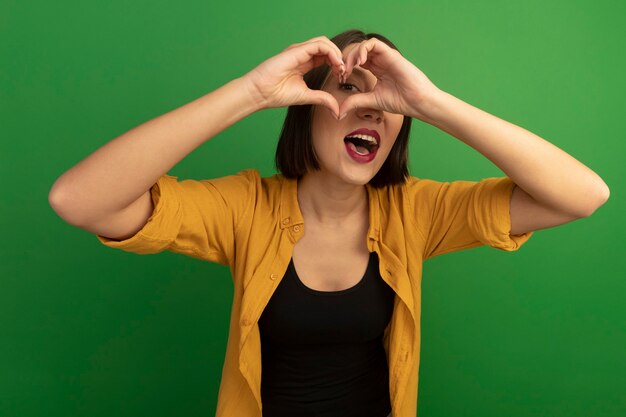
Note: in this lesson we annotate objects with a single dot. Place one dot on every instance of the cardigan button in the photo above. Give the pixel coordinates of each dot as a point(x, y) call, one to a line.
point(273, 277)
point(287, 220)
point(296, 228)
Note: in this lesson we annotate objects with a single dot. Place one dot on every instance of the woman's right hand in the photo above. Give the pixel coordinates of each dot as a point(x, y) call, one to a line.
point(278, 81)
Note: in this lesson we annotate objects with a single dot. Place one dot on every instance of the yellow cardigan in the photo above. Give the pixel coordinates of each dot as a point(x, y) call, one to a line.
point(251, 224)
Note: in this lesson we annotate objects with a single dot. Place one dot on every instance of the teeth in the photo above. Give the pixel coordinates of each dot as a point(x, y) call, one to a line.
point(365, 137)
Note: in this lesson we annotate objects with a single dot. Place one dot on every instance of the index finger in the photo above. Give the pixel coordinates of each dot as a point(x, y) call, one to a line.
point(316, 49)
point(328, 42)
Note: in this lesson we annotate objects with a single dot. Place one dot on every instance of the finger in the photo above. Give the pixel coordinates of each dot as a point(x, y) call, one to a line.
point(332, 45)
point(328, 42)
point(325, 99)
point(356, 101)
point(358, 57)
point(320, 49)
point(365, 49)
point(355, 58)
point(350, 61)
point(317, 38)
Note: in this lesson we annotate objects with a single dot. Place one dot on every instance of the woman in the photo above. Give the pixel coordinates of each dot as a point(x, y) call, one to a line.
point(329, 313)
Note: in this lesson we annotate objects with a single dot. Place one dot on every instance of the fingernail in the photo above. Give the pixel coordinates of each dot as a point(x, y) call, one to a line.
point(343, 115)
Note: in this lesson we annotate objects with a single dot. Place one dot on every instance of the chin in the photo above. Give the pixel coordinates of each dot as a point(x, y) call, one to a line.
point(358, 179)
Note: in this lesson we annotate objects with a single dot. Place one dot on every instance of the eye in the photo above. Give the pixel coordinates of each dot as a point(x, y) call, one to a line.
point(342, 85)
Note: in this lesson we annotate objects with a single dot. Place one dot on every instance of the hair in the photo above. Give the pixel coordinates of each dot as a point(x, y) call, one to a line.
point(295, 155)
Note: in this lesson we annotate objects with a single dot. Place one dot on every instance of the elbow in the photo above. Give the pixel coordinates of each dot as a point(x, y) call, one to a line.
point(58, 202)
point(596, 199)
point(54, 199)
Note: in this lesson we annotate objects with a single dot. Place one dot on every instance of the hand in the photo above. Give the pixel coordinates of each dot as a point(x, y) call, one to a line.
point(401, 87)
point(278, 81)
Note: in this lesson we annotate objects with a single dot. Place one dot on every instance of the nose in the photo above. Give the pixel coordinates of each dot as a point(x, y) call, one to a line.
point(370, 114)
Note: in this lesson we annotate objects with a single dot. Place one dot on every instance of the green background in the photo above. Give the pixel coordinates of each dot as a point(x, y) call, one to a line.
point(91, 331)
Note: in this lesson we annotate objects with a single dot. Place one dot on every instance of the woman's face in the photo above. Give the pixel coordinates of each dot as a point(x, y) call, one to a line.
point(328, 133)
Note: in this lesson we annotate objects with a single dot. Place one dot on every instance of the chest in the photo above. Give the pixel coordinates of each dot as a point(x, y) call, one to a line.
point(332, 260)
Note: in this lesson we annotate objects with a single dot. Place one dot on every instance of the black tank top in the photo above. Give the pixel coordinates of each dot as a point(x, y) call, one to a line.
point(322, 351)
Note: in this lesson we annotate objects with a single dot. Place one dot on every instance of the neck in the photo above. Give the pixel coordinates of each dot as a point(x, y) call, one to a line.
point(330, 202)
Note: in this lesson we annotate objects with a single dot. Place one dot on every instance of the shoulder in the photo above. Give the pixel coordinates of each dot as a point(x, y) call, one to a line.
point(422, 185)
point(240, 181)
point(253, 176)
point(250, 185)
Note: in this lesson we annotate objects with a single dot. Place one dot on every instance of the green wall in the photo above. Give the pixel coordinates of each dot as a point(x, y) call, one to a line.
point(86, 330)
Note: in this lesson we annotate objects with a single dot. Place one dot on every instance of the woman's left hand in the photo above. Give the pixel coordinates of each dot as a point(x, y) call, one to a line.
point(401, 87)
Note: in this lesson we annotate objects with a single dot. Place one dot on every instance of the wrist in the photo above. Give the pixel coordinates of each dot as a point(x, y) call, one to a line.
point(254, 99)
point(430, 105)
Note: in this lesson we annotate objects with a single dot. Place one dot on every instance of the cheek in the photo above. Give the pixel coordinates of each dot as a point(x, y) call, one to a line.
point(321, 135)
point(388, 149)
point(391, 145)
point(398, 126)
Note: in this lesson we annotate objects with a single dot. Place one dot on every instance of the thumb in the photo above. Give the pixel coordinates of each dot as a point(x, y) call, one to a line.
point(324, 99)
point(356, 101)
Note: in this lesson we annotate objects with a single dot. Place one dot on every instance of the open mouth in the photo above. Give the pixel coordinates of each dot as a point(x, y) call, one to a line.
point(361, 144)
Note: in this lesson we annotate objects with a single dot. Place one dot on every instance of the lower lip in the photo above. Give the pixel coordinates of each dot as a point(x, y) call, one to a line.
point(360, 158)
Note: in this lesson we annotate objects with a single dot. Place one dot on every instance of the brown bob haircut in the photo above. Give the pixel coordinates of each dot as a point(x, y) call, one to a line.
point(295, 155)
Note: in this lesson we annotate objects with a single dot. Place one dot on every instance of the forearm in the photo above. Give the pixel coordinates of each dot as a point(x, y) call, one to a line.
point(547, 173)
point(123, 169)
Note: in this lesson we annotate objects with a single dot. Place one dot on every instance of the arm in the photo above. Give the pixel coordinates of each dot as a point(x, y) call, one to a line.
point(109, 191)
point(113, 181)
point(552, 187)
